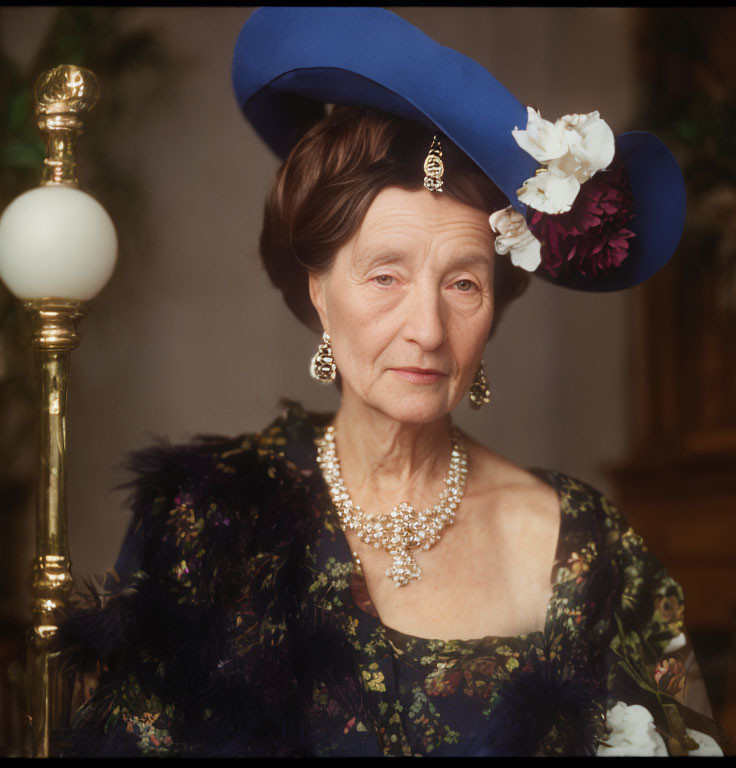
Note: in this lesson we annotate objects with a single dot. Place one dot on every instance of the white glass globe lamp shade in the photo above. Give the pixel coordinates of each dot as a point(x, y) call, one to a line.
point(56, 242)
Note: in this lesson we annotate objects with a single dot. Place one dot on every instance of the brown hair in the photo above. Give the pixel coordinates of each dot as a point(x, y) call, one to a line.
point(329, 180)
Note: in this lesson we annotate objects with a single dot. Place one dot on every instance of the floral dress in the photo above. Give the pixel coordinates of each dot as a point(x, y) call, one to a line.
point(238, 624)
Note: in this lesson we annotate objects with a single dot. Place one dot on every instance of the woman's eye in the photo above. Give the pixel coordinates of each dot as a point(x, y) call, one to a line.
point(384, 279)
point(465, 285)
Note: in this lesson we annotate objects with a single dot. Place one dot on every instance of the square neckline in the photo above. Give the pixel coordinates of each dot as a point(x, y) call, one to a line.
point(403, 638)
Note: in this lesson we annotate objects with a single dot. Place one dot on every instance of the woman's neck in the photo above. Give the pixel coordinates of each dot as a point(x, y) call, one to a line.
point(384, 460)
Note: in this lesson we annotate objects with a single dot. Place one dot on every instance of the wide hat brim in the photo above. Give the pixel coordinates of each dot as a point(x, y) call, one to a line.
point(290, 62)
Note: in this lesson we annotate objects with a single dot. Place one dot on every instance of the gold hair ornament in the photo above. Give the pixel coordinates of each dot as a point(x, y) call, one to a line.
point(434, 167)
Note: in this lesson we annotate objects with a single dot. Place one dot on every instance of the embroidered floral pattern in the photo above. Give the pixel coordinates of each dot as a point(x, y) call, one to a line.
point(143, 717)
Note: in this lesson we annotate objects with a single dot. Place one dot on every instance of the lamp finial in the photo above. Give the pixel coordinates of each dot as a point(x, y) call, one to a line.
point(63, 95)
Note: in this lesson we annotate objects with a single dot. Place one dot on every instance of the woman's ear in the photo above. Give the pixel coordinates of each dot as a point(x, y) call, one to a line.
point(317, 295)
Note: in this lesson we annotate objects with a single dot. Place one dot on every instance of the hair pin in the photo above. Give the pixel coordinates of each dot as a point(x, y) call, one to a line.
point(434, 167)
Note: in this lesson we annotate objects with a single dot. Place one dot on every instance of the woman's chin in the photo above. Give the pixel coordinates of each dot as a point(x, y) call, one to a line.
point(414, 407)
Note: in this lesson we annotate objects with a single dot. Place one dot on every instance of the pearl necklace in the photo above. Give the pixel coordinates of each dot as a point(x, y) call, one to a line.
point(403, 529)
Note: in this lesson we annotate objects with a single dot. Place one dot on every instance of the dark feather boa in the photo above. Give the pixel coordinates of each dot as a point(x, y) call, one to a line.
point(244, 693)
point(544, 710)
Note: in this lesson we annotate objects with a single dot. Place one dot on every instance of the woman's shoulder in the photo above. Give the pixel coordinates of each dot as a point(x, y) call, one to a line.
point(588, 526)
point(583, 506)
point(551, 500)
point(577, 500)
point(604, 569)
point(594, 532)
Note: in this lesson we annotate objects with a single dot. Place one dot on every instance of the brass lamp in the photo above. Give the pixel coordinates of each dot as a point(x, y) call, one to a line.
point(58, 248)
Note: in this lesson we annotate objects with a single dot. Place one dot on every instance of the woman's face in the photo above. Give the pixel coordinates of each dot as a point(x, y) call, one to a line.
point(408, 303)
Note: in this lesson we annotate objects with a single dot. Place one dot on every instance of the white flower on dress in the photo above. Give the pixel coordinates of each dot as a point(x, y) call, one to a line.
point(513, 236)
point(633, 734)
point(707, 745)
point(572, 148)
point(677, 642)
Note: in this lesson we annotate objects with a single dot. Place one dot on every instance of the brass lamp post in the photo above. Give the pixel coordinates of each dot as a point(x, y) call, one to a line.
point(57, 250)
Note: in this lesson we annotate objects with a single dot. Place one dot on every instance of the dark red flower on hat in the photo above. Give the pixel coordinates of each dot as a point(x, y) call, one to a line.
point(593, 236)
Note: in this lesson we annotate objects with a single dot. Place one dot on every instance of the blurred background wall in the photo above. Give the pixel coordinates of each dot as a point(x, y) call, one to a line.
point(189, 337)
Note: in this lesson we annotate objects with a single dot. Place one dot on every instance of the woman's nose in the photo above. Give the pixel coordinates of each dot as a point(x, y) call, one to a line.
point(424, 318)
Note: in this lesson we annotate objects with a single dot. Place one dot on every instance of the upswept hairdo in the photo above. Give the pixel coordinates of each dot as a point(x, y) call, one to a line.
point(329, 180)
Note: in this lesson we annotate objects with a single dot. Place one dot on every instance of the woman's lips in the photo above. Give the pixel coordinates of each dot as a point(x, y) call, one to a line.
point(419, 375)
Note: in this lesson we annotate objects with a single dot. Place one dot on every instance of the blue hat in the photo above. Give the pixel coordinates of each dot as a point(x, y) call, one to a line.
point(290, 62)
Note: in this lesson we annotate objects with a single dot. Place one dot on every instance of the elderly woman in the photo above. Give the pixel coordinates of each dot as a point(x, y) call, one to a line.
point(375, 582)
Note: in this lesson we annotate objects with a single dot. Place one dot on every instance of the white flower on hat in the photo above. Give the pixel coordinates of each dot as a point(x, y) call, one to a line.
point(633, 734)
point(591, 145)
point(572, 148)
point(514, 237)
point(549, 192)
point(543, 140)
